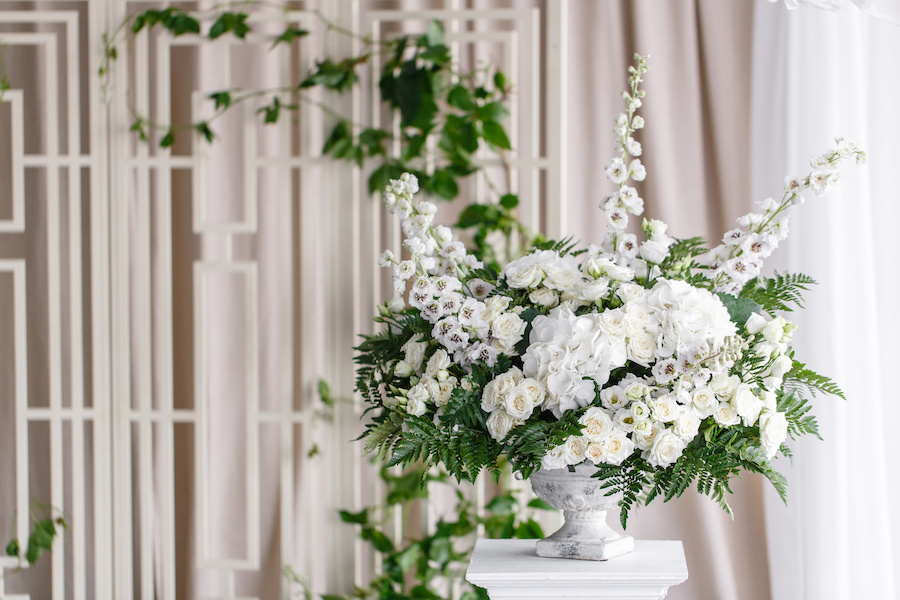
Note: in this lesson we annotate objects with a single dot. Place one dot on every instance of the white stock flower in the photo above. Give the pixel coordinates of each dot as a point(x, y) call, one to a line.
point(617, 219)
point(386, 258)
point(484, 353)
point(665, 370)
point(616, 171)
point(627, 245)
point(638, 171)
point(479, 288)
point(772, 432)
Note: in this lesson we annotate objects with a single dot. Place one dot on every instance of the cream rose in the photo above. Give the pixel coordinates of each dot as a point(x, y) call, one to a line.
point(726, 415)
point(415, 353)
point(534, 389)
point(525, 277)
point(508, 327)
point(491, 399)
point(595, 452)
point(439, 361)
point(416, 399)
point(704, 402)
point(444, 392)
point(640, 348)
point(575, 447)
point(687, 425)
point(666, 449)
point(597, 424)
point(499, 424)
point(507, 381)
point(555, 458)
point(746, 404)
point(665, 409)
point(544, 297)
point(613, 322)
point(644, 439)
point(618, 447)
point(518, 404)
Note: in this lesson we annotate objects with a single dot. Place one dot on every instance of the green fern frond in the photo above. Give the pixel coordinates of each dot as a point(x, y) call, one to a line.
point(800, 376)
point(778, 293)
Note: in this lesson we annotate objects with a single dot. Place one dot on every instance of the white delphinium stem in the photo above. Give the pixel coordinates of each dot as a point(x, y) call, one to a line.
point(740, 256)
point(621, 169)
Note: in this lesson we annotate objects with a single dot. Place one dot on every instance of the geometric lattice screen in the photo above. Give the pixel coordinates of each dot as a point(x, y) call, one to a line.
point(165, 314)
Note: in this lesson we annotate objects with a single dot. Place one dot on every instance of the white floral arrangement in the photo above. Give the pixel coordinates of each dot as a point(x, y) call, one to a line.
point(660, 361)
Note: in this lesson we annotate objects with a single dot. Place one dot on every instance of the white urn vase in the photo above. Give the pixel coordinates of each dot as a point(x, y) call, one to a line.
point(585, 535)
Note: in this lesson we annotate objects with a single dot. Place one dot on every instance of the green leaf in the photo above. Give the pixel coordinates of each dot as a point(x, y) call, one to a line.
point(739, 309)
point(435, 34)
point(381, 177)
point(359, 518)
point(540, 504)
point(461, 132)
point(12, 548)
point(459, 97)
point(443, 185)
point(204, 130)
point(379, 541)
point(222, 99)
point(408, 557)
point(412, 85)
point(272, 111)
point(501, 505)
point(509, 201)
point(438, 55)
point(475, 214)
point(233, 22)
point(181, 24)
point(492, 111)
point(495, 135)
point(372, 141)
point(339, 133)
point(167, 140)
point(500, 80)
point(440, 550)
point(529, 530)
point(289, 35)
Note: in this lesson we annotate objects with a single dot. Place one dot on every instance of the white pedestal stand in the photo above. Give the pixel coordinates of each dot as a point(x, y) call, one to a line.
point(510, 569)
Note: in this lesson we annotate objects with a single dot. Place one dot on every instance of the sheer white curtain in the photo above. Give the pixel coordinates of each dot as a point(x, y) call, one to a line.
point(819, 74)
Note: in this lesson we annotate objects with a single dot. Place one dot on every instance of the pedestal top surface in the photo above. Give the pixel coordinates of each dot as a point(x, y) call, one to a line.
point(516, 560)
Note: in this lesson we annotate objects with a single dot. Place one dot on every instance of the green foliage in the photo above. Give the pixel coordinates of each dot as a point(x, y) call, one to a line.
point(778, 293)
point(805, 380)
point(796, 410)
point(739, 309)
point(43, 533)
point(415, 567)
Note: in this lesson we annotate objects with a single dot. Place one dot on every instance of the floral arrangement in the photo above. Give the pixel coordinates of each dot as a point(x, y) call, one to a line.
point(660, 361)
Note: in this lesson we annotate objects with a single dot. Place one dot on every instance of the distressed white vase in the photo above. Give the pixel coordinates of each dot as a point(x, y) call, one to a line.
point(585, 535)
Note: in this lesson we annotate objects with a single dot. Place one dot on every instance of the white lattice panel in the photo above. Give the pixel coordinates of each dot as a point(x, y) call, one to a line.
point(168, 312)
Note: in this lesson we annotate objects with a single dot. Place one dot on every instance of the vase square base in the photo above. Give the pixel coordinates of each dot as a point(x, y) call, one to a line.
point(585, 549)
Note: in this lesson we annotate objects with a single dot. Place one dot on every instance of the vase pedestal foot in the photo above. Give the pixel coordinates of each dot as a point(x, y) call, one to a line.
point(585, 549)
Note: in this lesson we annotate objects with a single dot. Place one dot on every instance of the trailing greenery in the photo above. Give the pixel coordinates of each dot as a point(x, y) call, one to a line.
point(44, 532)
point(463, 111)
point(430, 565)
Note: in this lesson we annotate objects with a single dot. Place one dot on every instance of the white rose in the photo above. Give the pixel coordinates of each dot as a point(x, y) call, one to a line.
point(415, 353)
point(507, 381)
point(755, 323)
point(561, 276)
point(415, 400)
point(726, 415)
point(613, 322)
point(746, 404)
point(630, 292)
point(769, 400)
point(595, 452)
point(636, 390)
point(618, 447)
point(534, 389)
point(641, 349)
point(491, 399)
point(445, 390)
point(509, 328)
point(518, 404)
point(772, 432)
point(575, 447)
point(687, 425)
point(595, 290)
point(723, 385)
point(773, 332)
point(555, 458)
point(403, 369)
point(781, 366)
point(655, 251)
point(499, 424)
point(524, 277)
point(665, 409)
point(666, 449)
point(704, 402)
point(597, 424)
point(642, 427)
point(494, 306)
point(431, 386)
point(644, 439)
point(544, 297)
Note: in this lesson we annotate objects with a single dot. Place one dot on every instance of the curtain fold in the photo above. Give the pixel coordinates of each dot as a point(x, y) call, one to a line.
point(818, 75)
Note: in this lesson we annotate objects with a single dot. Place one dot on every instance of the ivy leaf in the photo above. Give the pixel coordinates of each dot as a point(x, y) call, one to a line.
point(204, 130)
point(493, 111)
point(340, 133)
point(411, 85)
point(12, 548)
point(529, 530)
point(380, 541)
point(500, 80)
point(509, 201)
point(271, 111)
point(495, 135)
point(460, 97)
point(540, 504)
point(408, 557)
point(222, 99)
point(289, 35)
point(228, 21)
point(181, 23)
point(167, 140)
point(443, 185)
point(359, 518)
point(461, 132)
point(372, 141)
point(381, 177)
point(334, 76)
